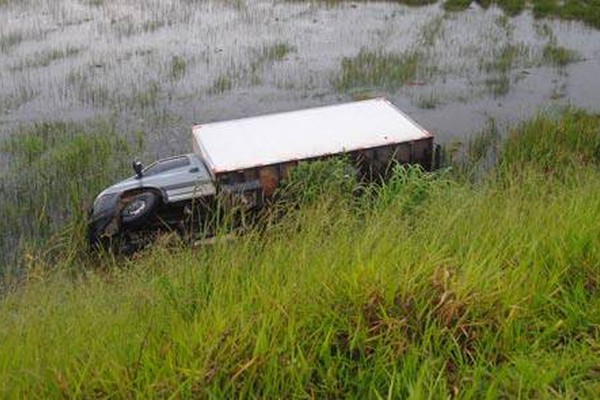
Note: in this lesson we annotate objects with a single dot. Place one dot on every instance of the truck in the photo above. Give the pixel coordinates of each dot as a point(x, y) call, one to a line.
point(247, 159)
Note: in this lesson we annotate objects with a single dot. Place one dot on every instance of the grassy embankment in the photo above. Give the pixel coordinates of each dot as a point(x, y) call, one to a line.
point(435, 285)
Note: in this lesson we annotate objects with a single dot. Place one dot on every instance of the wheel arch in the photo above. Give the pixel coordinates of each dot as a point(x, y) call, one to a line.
point(162, 195)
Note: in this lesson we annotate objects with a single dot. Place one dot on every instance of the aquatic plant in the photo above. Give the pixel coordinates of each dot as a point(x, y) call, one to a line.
point(377, 69)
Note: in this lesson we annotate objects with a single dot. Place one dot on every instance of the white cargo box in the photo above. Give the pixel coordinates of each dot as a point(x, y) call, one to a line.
point(304, 134)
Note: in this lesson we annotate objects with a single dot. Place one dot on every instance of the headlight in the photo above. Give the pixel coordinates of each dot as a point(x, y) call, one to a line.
point(105, 202)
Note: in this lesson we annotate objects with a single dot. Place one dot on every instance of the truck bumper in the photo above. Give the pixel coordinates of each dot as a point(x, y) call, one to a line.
point(104, 221)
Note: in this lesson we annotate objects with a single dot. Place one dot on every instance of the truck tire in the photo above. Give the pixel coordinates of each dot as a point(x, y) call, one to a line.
point(139, 209)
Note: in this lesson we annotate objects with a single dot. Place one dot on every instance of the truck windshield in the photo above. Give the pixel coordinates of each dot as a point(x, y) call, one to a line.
point(166, 165)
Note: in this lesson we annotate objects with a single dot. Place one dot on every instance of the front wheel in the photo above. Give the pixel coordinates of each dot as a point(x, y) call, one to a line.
point(139, 209)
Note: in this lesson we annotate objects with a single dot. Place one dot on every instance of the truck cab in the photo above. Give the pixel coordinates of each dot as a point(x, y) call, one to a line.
point(159, 190)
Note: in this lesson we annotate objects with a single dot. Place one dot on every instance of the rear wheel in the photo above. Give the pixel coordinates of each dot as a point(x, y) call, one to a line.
point(139, 209)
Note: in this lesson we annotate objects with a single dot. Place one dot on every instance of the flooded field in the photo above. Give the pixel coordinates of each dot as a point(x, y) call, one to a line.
point(159, 66)
point(145, 71)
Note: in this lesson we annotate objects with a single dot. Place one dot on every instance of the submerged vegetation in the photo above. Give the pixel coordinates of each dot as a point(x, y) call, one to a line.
point(377, 69)
point(493, 73)
point(238, 75)
point(431, 285)
point(59, 60)
point(558, 55)
point(500, 66)
point(45, 58)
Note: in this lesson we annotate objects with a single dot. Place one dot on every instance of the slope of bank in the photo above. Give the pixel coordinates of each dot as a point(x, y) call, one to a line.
point(434, 285)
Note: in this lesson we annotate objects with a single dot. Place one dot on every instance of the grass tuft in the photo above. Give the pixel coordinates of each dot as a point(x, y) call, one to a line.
point(377, 69)
point(275, 52)
point(457, 5)
point(45, 58)
point(10, 40)
point(558, 56)
point(178, 68)
point(499, 67)
point(221, 85)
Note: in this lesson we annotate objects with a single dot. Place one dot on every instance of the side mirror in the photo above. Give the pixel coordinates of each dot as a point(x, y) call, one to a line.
point(138, 167)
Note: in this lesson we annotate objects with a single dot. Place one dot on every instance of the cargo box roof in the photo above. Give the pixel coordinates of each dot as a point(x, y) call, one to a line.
point(275, 138)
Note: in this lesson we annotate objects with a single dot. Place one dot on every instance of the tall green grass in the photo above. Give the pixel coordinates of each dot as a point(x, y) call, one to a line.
point(55, 170)
point(428, 286)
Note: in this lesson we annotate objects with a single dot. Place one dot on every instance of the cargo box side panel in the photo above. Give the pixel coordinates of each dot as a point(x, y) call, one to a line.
point(415, 152)
point(372, 164)
point(423, 153)
point(403, 153)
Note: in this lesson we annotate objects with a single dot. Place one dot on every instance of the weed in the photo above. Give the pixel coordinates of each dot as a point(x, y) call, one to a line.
point(505, 58)
point(503, 22)
point(87, 90)
point(417, 3)
point(558, 55)
point(558, 92)
point(22, 95)
point(221, 85)
point(275, 52)
point(151, 26)
point(413, 3)
point(178, 68)
point(542, 8)
point(267, 54)
point(544, 30)
point(251, 73)
point(148, 97)
point(428, 102)
point(432, 30)
point(124, 27)
point(45, 58)
point(500, 66)
point(377, 69)
point(511, 7)
point(239, 5)
point(457, 5)
point(478, 156)
point(498, 86)
point(7, 42)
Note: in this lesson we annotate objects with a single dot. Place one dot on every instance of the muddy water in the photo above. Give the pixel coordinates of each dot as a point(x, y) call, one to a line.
point(160, 66)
